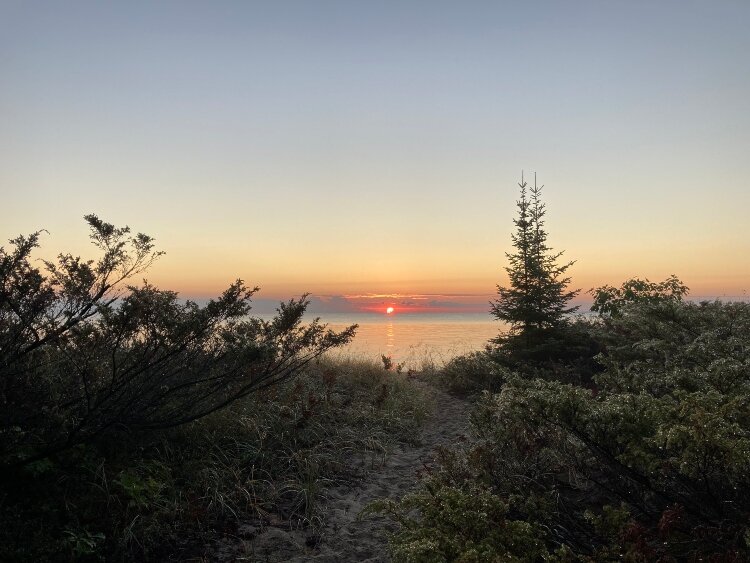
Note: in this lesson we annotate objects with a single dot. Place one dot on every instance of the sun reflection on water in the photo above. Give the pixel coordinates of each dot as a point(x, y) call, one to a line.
point(390, 338)
point(416, 341)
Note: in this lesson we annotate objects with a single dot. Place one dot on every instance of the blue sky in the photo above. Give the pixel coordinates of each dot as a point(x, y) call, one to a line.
point(362, 147)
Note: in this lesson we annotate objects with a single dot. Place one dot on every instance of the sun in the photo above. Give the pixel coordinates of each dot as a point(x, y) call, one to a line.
point(389, 310)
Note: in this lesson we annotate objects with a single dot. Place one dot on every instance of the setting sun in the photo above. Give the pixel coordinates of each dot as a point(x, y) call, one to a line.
point(389, 310)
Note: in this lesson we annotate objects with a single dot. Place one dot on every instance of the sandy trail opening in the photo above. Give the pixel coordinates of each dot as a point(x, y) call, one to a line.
point(345, 537)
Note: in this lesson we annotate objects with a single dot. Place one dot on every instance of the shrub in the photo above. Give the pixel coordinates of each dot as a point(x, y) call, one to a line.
point(567, 353)
point(459, 524)
point(107, 394)
point(83, 356)
point(651, 462)
point(610, 301)
point(472, 373)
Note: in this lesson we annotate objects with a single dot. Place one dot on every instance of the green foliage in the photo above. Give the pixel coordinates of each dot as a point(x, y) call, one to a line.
point(267, 458)
point(565, 353)
point(537, 298)
point(142, 486)
point(536, 303)
point(83, 544)
point(610, 301)
point(472, 373)
point(649, 460)
point(463, 525)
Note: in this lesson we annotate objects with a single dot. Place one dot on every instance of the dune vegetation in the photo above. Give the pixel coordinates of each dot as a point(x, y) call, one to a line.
point(646, 457)
point(136, 426)
point(623, 436)
point(140, 427)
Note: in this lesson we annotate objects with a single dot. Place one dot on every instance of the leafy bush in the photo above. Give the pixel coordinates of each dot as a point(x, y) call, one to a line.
point(83, 356)
point(472, 373)
point(610, 301)
point(648, 462)
point(459, 524)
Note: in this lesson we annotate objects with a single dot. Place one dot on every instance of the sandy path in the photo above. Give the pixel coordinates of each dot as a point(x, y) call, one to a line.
point(345, 538)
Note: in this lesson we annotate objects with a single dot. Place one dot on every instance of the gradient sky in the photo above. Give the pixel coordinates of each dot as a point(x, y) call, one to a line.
point(373, 148)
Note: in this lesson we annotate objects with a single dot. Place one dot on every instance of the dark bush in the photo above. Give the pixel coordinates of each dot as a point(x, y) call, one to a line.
point(96, 373)
point(567, 352)
point(82, 355)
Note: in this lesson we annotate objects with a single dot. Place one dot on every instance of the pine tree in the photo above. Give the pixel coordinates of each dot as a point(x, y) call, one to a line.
point(537, 298)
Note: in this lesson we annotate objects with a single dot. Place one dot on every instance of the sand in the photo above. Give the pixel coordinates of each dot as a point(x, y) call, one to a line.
point(344, 536)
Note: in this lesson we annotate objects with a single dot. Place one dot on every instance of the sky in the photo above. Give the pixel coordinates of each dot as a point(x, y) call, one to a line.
point(369, 152)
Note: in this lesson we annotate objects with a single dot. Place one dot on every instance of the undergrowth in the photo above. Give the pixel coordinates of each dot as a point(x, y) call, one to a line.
point(470, 374)
point(267, 459)
point(644, 458)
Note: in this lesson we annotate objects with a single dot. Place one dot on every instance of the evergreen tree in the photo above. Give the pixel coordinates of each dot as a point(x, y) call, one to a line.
point(538, 296)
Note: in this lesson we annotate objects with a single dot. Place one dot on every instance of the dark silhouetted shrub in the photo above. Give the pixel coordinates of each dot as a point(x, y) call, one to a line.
point(82, 355)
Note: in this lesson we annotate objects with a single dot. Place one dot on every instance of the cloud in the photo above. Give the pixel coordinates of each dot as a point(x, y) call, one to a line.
point(403, 303)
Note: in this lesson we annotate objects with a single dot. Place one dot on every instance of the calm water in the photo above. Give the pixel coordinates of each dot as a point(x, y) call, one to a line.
point(414, 338)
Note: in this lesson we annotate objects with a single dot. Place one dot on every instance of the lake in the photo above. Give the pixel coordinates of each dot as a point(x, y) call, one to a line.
point(415, 338)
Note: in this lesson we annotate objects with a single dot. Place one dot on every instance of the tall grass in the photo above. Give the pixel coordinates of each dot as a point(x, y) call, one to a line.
point(267, 459)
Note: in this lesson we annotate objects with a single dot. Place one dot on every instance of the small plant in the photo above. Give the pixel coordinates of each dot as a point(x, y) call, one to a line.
point(83, 543)
point(141, 490)
point(387, 362)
